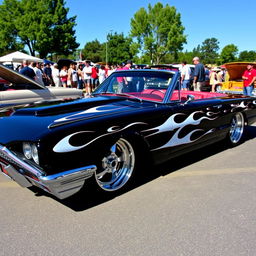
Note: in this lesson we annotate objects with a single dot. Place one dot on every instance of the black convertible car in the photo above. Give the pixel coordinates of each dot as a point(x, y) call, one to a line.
point(133, 116)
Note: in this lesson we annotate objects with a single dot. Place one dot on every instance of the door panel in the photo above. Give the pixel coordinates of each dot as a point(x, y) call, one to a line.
point(184, 127)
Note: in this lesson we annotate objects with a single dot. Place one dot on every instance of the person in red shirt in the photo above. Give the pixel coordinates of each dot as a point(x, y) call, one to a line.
point(249, 77)
point(127, 80)
point(95, 77)
point(120, 79)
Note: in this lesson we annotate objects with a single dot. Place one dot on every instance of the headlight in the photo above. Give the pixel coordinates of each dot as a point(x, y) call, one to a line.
point(30, 151)
point(35, 154)
point(27, 150)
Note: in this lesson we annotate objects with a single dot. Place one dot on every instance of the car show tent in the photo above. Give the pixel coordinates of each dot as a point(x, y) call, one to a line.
point(19, 57)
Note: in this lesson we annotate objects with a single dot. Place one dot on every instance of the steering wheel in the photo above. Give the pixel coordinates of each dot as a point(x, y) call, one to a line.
point(155, 90)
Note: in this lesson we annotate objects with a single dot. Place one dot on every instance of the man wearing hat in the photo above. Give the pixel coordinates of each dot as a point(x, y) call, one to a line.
point(249, 78)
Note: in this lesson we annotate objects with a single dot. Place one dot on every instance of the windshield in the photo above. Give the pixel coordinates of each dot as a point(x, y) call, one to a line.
point(145, 85)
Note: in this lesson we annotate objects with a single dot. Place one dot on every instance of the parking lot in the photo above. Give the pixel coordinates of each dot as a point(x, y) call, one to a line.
point(199, 204)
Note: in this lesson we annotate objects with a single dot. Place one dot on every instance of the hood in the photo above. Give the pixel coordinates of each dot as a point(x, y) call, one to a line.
point(41, 119)
point(236, 69)
point(65, 112)
point(14, 77)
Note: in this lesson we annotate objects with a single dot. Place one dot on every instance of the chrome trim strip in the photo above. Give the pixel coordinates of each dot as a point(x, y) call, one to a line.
point(231, 92)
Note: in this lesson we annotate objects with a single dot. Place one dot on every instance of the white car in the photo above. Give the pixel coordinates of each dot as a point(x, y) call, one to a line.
point(17, 89)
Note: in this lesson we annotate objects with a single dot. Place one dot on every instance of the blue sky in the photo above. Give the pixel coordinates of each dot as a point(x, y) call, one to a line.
point(230, 21)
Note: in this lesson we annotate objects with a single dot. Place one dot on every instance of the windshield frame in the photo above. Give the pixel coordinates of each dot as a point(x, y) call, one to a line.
point(173, 76)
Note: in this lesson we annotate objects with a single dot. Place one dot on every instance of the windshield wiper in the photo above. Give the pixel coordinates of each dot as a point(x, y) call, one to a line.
point(121, 94)
point(130, 96)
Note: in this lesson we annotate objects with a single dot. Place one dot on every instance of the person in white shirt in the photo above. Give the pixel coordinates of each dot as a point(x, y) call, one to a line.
point(39, 75)
point(102, 74)
point(64, 76)
point(185, 76)
point(56, 75)
point(87, 71)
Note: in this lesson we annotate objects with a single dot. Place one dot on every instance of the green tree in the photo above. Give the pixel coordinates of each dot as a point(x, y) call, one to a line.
point(93, 51)
point(119, 48)
point(8, 34)
point(247, 56)
point(158, 31)
point(63, 32)
point(228, 54)
point(197, 52)
point(209, 51)
point(187, 56)
point(41, 25)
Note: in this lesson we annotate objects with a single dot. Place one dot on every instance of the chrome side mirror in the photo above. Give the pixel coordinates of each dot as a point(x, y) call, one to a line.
point(190, 98)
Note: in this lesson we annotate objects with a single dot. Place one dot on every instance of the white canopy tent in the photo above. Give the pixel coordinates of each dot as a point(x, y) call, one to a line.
point(19, 57)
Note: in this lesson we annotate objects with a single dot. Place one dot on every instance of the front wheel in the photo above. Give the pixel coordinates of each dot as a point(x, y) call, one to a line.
point(236, 129)
point(116, 167)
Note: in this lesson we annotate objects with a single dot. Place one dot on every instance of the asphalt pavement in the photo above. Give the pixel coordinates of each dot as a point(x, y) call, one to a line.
point(203, 203)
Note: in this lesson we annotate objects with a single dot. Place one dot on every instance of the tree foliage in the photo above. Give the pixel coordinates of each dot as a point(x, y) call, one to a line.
point(93, 51)
point(41, 25)
point(209, 50)
point(158, 31)
point(247, 56)
point(187, 56)
point(228, 54)
point(119, 48)
point(8, 35)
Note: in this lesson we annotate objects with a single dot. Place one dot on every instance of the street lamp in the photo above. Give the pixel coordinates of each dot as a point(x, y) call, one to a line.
point(107, 49)
point(110, 32)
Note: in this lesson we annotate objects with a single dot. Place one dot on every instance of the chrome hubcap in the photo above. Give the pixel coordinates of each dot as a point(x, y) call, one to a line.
point(117, 167)
point(237, 128)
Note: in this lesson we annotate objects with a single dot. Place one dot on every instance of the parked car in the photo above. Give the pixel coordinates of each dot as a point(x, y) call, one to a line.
point(108, 138)
point(17, 89)
point(233, 81)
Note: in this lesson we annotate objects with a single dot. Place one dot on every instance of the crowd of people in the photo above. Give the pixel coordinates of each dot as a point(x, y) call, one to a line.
point(81, 76)
point(87, 77)
point(215, 76)
point(200, 75)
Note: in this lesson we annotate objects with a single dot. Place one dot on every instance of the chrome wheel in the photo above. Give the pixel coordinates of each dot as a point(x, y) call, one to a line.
point(117, 166)
point(237, 128)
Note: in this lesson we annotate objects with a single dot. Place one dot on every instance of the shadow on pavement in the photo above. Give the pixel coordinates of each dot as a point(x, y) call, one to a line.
point(89, 197)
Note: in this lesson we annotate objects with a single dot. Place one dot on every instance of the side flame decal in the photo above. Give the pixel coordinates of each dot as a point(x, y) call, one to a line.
point(171, 125)
point(64, 145)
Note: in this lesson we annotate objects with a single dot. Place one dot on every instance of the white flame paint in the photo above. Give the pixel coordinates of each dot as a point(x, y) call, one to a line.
point(171, 125)
point(240, 105)
point(64, 146)
point(101, 109)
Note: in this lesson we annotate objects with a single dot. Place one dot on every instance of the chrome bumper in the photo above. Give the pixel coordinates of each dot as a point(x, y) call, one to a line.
point(61, 185)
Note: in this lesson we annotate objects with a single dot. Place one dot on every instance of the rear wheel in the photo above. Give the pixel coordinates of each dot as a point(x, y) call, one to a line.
point(236, 129)
point(117, 167)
